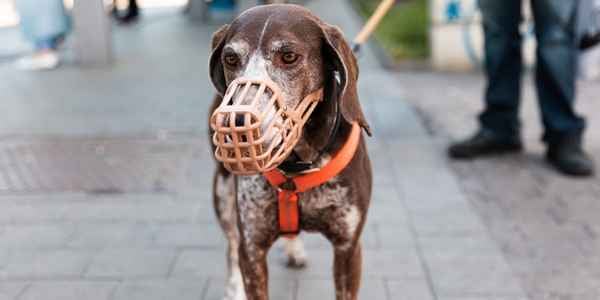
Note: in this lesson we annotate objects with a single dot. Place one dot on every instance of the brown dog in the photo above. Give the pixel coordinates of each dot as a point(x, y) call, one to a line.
point(293, 48)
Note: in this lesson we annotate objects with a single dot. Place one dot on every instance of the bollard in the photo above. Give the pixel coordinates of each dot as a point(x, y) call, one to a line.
point(92, 33)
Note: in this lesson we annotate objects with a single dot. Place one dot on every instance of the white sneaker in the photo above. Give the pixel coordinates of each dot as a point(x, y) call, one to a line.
point(44, 60)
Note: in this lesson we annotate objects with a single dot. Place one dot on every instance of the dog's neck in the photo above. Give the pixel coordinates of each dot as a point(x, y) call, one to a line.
point(323, 135)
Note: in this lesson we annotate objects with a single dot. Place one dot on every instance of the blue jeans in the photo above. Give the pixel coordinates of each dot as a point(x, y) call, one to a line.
point(43, 22)
point(556, 69)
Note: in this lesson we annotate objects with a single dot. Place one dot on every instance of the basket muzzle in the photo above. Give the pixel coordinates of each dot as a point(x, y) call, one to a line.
point(254, 129)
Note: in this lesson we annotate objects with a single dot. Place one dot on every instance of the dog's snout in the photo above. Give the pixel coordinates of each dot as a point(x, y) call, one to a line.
point(239, 121)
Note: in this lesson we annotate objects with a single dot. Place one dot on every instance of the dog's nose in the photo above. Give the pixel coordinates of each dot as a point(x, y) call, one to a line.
point(239, 120)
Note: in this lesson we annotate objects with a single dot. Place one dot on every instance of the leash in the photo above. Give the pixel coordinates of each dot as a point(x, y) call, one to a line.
point(382, 9)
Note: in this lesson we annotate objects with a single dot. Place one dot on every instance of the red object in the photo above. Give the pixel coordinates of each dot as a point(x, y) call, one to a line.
point(288, 188)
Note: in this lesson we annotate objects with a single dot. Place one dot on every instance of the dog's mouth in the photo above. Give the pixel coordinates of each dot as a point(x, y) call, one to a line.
point(254, 130)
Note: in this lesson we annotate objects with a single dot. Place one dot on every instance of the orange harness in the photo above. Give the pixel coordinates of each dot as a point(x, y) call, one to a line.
point(288, 188)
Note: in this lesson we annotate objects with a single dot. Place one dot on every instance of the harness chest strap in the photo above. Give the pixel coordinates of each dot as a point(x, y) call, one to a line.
point(289, 188)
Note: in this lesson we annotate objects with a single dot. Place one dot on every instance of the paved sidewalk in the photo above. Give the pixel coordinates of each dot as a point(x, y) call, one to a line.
point(547, 224)
point(139, 224)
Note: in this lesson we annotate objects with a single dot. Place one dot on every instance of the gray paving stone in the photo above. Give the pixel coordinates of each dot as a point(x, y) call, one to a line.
point(161, 290)
point(199, 195)
point(278, 289)
point(457, 246)
point(463, 273)
point(428, 205)
point(406, 264)
point(387, 194)
point(324, 289)
point(18, 213)
point(70, 290)
point(409, 290)
point(34, 236)
point(490, 298)
point(458, 220)
point(394, 236)
point(387, 206)
point(200, 263)
point(45, 264)
point(190, 235)
point(469, 265)
point(392, 213)
point(428, 184)
point(11, 290)
point(105, 235)
point(115, 210)
point(39, 199)
point(380, 162)
point(131, 263)
point(4, 257)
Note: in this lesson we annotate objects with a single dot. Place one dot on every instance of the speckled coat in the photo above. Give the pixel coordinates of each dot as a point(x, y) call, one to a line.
point(246, 206)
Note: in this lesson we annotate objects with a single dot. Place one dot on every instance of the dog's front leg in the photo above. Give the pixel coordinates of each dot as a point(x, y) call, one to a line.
point(258, 227)
point(347, 270)
point(253, 263)
point(225, 208)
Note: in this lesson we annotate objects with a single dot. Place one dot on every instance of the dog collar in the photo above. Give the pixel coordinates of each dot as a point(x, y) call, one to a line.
point(288, 188)
point(296, 165)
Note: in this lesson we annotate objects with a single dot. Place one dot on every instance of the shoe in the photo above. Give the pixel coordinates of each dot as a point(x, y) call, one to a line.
point(128, 19)
point(568, 157)
point(44, 60)
point(483, 143)
point(589, 41)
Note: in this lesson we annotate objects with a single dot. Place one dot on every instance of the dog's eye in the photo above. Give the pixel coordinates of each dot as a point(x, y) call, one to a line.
point(232, 59)
point(289, 57)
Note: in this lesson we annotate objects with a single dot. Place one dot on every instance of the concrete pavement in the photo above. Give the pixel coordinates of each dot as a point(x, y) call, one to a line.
point(546, 224)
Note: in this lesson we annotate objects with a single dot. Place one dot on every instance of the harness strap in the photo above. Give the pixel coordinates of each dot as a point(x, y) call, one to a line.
point(289, 214)
point(288, 188)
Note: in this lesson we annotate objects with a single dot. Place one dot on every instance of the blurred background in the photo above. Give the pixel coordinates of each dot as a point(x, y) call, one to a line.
point(106, 170)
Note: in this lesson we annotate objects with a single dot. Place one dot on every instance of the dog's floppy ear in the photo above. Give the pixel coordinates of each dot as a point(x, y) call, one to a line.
point(341, 62)
point(217, 74)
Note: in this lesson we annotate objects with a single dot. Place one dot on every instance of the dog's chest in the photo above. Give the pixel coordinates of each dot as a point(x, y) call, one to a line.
point(322, 208)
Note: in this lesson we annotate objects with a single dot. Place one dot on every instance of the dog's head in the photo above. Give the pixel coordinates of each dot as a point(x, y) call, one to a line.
point(294, 50)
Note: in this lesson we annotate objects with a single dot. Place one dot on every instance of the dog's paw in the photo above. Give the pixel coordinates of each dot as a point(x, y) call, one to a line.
point(234, 293)
point(296, 262)
point(296, 254)
point(235, 287)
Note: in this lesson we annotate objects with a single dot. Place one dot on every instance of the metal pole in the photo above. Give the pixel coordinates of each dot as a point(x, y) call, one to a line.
point(92, 33)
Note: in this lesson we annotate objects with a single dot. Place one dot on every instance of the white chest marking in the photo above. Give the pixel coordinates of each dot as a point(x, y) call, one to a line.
point(352, 219)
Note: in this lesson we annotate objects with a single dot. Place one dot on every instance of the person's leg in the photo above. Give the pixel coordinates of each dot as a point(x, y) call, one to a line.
point(43, 22)
point(556, 72)
point(133, 7)
point(42, 44)
point(503, 66)
point(131, 13)
point(499, 121)
point(556, 68)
